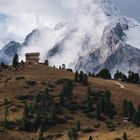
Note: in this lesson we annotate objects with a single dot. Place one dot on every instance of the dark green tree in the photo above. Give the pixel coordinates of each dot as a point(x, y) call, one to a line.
point(73, 134)
point(104, 73)
point(52, 113)
point(46, 96)
point(102, 103)
point(89, 74)
point(117, 75)
point(85, 79)
point(89, 94)
point(107, 102)
point(78, 125)
point(66, 91)
point(76, 76)
point(98, 111)
point(90, 138)
point(25, 118)
point(90, 105)
point(124, 77)
point(125, 108)
point(62, 96)
point(125, 136)
point(37, 118)
point(131, 110)
point(81, 77)
point(15, 61)
point(2, 64)
point(41, 135)
point(139, 108)
point(136, 118)
point(133, 77)
point(93, 74)
point(6, 113)
point(69, 89)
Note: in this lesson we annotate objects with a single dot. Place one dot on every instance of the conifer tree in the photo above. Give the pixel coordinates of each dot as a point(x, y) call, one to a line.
point(15, 61)
point(139, 108)
point(76, 76)
point(125, 108)
point(41, 136)
point(90, 138)
point(5, 117)
point(81, 77)
point(136, 118)
point(62, 96)
point(52, 113)
point(102, 103)
point(73, 134)
point(25, 119)
point(131, 110)
point(46, 94)
point(85, 79)
point(107, 102)
point(125, 136)
point(93, 74)
point(89, 74)
point(78, 125)
point(90, 105)
point(89, 94)
point(104, 73)
point(98, 111)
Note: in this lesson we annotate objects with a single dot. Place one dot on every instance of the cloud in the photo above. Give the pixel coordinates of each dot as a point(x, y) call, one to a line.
point(83, 34)
point(19, 17)
point(86, 18)
point(86, 22)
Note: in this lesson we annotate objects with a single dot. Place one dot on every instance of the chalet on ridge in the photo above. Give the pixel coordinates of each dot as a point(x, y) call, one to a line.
point(32, 58)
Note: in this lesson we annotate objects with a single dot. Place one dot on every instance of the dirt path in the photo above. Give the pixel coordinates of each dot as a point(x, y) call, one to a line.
point(121, 85)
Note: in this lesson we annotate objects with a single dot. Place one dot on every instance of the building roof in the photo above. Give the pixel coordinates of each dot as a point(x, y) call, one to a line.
point(35, 53)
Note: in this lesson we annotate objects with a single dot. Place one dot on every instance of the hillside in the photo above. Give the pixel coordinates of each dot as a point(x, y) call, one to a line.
point(14, 85)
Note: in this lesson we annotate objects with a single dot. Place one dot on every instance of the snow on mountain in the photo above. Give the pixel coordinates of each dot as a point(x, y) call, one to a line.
point(8, 52)
point(133, 37)
point(99, 31)
point(42, 40)
point(97, 36)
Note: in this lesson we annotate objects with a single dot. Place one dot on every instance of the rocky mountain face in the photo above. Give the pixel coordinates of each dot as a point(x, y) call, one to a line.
point(113, 54)
point(8, 52)
point(111, 50)
point(95, 38)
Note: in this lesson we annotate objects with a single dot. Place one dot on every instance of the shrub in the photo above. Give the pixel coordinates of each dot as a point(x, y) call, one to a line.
point(61, 121)
point(61, 81)
point(110, 126)
point(31, 82)
point(19, 78)
point(51, 86)
point(87, 130)
point(117, 139)
point(97, 125)
point(72, 106)
point(14, 109)
point(24, 97)
point(7, 80)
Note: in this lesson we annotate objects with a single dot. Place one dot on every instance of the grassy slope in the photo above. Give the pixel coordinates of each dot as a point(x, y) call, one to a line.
point(9, 88)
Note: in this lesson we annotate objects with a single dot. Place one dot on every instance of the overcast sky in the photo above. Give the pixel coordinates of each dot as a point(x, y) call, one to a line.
point(130, 8)
point(26, 15)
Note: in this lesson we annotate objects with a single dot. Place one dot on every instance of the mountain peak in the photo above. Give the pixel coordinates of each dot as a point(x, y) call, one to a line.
point(95, 37)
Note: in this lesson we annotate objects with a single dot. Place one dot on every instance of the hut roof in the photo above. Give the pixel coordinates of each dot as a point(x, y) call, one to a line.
point(33, 54)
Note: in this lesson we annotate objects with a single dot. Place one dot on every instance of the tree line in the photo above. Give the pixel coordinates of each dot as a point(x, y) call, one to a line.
point(105, 74)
